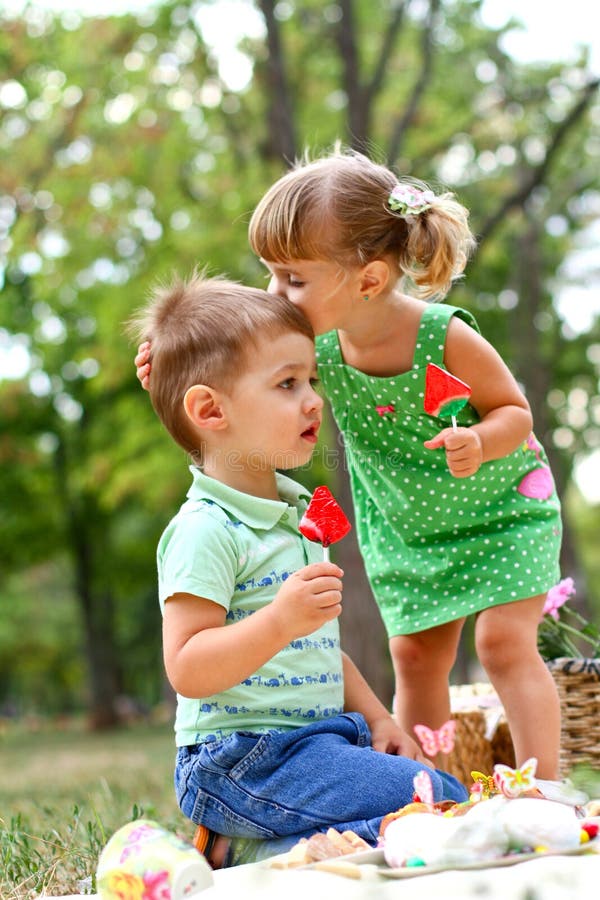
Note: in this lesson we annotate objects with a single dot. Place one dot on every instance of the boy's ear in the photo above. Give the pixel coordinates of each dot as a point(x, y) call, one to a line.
point(203, 407)
point(375, 277)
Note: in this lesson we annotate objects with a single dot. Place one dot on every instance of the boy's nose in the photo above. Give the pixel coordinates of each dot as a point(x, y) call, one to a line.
point(315, 401)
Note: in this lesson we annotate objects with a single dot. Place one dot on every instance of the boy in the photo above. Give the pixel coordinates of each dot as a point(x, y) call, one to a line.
point(274, 722)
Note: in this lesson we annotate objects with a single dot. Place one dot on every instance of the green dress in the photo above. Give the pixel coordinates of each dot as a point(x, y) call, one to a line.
point(435, 547)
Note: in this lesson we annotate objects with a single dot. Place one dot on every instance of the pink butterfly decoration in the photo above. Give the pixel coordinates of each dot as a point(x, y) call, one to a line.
point(512, 782)
point(382, 410)
point(440, 741)
point(423, 787)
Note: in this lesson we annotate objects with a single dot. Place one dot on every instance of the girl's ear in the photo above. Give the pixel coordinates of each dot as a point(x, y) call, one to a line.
point(203, 407)
point(375, 277)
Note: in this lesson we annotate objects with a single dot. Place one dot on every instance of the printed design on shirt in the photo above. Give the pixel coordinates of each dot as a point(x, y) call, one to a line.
point(537, 484)
point(282, 680)
point(319, 712)
point(308, 643)
point(266, 581)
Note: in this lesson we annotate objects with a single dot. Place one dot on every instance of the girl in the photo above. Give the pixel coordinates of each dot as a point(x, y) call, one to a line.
point(450, 520)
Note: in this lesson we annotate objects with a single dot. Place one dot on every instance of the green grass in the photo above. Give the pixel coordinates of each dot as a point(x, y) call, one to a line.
point(63, 793)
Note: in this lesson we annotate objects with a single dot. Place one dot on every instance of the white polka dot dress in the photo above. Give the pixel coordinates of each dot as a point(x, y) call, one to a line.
point(435, 547)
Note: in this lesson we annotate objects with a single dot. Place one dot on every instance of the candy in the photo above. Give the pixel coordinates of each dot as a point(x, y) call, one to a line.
point(512, 782)
point(324, 520)
point(445, 395)
point(423, 787)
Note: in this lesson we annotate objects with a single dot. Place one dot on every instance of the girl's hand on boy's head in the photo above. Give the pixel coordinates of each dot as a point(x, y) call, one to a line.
point(388, 737)
point(308, 599)
point(143, 365)
point(464, 451)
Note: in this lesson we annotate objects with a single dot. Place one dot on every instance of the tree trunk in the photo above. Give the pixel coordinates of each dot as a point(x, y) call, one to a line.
point(363, 635)
point(280, 119)
point(96, 609)
point(537, 376)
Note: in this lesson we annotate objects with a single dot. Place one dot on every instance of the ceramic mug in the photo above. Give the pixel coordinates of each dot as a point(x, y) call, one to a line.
point(143, 861)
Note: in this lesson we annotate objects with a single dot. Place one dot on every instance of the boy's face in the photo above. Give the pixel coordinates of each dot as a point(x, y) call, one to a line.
point(273, 411)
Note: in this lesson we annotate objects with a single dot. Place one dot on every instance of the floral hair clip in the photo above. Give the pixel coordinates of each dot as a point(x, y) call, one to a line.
point(410, 201)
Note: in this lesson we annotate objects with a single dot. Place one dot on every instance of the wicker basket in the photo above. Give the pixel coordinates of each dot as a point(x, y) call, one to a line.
point(578, 684)
point(479, 744)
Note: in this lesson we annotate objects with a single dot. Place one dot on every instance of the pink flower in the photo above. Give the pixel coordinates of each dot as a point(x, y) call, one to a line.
point(409, 200)
point(557, 596)
point(157, 886)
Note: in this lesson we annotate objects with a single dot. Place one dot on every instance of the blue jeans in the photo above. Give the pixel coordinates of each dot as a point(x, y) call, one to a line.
point(300, 781)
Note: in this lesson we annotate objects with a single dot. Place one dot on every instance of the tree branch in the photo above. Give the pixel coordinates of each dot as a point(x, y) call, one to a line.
point(419, 87)
point(346, 41)
point(361, 95)
point(280, 119)
point(536, 174)
point(387, 45)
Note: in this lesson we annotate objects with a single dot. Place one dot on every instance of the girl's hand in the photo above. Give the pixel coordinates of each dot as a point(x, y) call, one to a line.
point(464, 452)
point(308, 599)
point(143, 365)
point(388, 737)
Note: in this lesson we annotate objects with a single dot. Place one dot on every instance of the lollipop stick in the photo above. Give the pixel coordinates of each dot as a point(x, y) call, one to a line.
point(453, 423)
point(326, 557)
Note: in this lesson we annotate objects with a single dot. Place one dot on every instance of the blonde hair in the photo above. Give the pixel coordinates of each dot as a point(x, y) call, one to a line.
point(336, 208)
point(202, 331)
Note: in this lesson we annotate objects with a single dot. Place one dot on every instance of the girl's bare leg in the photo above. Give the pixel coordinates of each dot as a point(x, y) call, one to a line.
point(506, 644)
point(422, 664)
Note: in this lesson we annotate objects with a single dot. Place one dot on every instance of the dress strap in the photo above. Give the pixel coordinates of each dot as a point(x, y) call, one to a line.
point(328, 348)
point(431, 336)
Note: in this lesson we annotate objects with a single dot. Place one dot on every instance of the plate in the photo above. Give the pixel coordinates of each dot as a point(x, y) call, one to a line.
point(499, 862)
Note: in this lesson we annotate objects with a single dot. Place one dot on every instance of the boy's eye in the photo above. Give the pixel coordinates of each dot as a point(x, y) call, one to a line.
point(315, 383)
point(287, 383)
point(295, 282)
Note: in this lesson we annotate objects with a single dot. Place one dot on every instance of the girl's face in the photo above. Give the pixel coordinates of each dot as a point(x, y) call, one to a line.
point(325, 292)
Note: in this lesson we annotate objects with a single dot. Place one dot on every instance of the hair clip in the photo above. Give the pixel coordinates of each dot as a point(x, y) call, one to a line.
point(410, 201)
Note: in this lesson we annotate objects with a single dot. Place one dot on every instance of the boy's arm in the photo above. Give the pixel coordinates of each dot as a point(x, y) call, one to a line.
point(386, 734)
point(203, 655)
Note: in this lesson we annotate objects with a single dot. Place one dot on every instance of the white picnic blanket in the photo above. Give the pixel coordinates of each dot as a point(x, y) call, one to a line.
point(546, 878)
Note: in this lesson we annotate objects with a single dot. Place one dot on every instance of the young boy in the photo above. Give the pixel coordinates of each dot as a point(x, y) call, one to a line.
point(278, 734)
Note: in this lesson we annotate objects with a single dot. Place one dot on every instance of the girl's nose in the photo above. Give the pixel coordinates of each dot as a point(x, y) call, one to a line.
point(276, 287)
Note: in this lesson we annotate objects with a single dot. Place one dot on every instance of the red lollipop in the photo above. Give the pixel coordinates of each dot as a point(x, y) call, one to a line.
point(324, 520)
point(445, 395)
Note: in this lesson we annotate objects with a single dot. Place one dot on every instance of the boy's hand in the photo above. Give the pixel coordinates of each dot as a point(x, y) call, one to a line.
point(142, 364)
point(464, 452)
point(309, 598)
point(388, 737)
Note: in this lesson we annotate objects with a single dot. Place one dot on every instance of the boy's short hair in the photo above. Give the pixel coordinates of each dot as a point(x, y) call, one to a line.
point(202, 331)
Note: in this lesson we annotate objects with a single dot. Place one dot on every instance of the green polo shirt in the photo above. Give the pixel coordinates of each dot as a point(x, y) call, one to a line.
point(237, 550)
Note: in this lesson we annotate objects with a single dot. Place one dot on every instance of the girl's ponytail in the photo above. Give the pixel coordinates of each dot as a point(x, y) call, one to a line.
point(435, 245)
